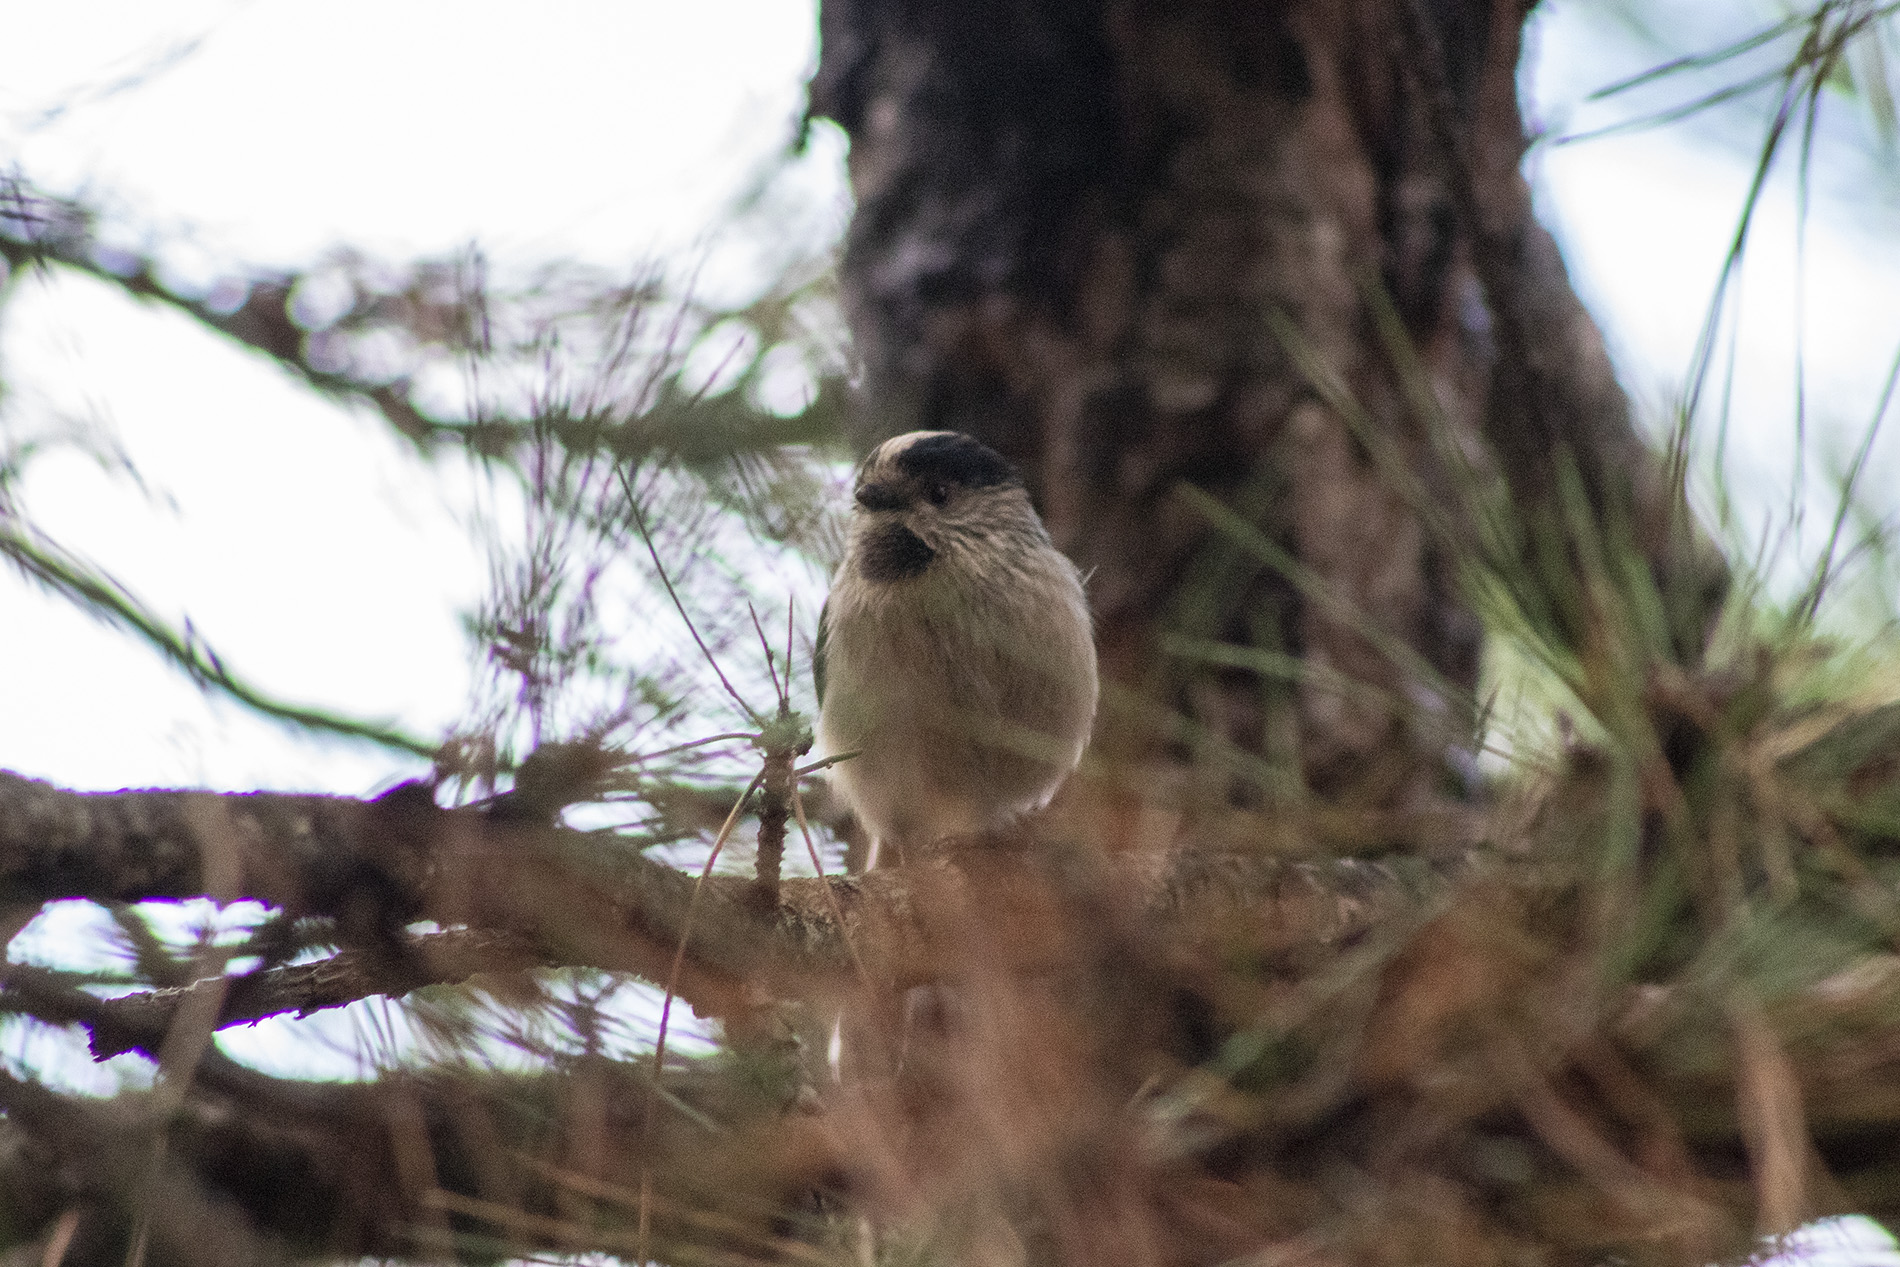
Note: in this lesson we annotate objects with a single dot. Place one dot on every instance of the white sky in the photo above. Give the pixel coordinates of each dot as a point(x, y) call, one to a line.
point(300, 537)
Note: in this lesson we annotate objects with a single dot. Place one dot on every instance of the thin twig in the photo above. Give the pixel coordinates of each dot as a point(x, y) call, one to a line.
point(1700, 61)
point(791, 605)
point(639, 520)
point(780, 693)
point(1811, 600)
point(729, 737)
point(826, 762)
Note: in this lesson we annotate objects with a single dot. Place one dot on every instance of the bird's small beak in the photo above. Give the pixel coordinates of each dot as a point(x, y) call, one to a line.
point(881, 497)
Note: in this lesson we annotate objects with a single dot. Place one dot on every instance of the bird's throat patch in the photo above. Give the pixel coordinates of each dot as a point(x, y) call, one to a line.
point(894, 553)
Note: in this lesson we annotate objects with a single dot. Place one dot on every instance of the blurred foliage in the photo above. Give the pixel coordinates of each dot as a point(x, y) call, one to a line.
point(564, 384)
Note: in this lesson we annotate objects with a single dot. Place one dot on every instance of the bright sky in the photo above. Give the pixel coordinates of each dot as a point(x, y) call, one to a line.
point(316, 555)
point(300, 538)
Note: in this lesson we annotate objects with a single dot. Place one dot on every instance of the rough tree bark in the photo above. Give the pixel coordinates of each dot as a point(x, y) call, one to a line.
point(1078, 222)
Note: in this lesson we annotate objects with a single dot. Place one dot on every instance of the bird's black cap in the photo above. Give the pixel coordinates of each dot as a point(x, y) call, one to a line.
point(954, 458)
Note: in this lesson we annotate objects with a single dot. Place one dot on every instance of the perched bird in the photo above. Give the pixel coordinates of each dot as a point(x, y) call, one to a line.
point(955, 653)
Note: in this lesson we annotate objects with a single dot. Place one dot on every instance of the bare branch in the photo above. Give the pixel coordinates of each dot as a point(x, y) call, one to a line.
point(140, 1021)
point(376, 866)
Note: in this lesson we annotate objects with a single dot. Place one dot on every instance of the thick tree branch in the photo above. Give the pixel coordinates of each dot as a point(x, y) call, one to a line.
point(444, 309)
point(36, 229)
point(376, 866)
point(139, 1021)
point(516, 896)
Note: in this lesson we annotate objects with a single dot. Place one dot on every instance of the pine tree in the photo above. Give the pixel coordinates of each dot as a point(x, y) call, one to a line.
point(1256, 299)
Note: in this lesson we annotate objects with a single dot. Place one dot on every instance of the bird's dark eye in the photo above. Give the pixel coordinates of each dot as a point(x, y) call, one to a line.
point(938, 494)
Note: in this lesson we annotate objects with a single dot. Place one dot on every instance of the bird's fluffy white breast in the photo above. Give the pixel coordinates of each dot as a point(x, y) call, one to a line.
point(968, 690)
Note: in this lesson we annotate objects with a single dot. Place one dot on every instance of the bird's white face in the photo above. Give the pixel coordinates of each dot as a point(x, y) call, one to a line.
point(930, 492)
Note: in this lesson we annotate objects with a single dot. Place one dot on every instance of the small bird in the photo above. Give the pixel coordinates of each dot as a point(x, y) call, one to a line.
point(955, 653)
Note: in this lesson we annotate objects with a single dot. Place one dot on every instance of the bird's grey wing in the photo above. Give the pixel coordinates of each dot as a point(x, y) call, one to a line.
point(818, 651)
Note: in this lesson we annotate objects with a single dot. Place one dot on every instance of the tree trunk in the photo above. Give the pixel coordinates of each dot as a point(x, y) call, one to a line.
point(1121, 241)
